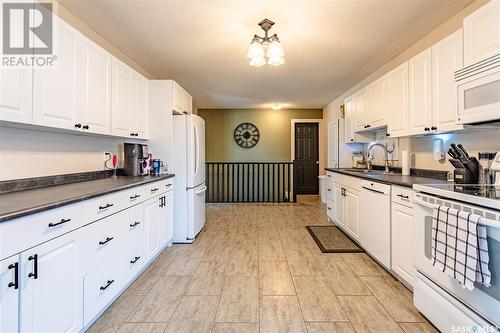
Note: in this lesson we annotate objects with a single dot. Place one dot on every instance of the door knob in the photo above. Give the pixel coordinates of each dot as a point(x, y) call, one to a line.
point(317, 162)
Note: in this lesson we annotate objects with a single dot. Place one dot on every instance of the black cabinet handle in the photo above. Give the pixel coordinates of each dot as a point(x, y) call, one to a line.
point(434, 128)
point(78, 125)
point(427, 129)
point(59, 223)
point(387, 134)
point(154, 189)
point(34, 274)
point(131, 134)
point(108, 239)
point(14, 283)
point(134, 134)
point(86, 127)
point(403, 196)
point(162, 201)
point(372, 190)
point(135, 260)
point(368, 126)
point(329, 208)
point(135, 224)
point(168, 185)
point(352, 139)
point(329, 189)
point(105, 207)
point(132, 197)
point(107, 284)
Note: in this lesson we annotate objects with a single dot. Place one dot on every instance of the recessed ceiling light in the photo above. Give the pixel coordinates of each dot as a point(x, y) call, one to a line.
point(276, 106)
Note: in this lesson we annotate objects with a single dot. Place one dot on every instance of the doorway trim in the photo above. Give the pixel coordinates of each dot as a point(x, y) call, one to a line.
point(292, 137)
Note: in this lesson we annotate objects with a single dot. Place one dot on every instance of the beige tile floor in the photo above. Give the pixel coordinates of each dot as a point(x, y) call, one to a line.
point(255, 268)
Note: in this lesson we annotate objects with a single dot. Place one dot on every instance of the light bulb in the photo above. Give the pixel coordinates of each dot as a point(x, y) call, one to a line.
point(276, 61)
point(258, 61)
point(255, 50)
point(275, 50)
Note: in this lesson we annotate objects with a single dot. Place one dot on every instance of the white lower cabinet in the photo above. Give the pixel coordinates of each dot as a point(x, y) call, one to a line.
point(51, 286)
point(351, 199)
point(402, 242)
point(346, 208)
point(63, 283)
point(9, 294)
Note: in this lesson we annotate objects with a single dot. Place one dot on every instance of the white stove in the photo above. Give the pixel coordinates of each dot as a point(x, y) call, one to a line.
point(449, 306)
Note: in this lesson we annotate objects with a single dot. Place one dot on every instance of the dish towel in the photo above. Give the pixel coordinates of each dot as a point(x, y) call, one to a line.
point(460, 247)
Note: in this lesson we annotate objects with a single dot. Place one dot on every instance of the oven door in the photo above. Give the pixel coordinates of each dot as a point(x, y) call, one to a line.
point(484, 301)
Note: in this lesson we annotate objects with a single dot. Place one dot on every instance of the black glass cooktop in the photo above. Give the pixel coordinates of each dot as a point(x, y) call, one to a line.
point(483, 191)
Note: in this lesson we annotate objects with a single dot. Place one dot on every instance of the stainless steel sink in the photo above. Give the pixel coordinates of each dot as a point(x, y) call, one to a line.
point(372, 172)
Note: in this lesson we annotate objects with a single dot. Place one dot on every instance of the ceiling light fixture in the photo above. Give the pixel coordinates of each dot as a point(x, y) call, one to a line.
point(276, 106)
point(266, 47)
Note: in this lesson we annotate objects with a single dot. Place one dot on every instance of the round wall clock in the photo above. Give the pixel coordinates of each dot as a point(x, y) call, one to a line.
point(246, 135)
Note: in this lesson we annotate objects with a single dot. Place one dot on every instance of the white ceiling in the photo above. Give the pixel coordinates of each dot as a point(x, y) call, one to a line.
point(329, 45)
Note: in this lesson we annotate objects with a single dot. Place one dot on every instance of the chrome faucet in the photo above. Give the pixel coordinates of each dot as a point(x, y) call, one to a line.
point(386, 156)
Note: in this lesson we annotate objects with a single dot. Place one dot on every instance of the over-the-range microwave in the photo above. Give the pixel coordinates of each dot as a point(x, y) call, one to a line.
point(478, 88)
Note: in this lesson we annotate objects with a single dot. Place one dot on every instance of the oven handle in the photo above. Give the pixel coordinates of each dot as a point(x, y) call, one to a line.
point(483, 221)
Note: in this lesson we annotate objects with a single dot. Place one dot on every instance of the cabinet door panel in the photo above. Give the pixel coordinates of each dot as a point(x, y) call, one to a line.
point(16, 93)
point(349, 121)
point(152, 220)
point(339, 206)
point(141, 112)
point(447, 57)
point(54, 88)
point(482, 33)
point(360, 100)
point(53, 302)
point(376, 106)
point(333, 144)
point(420, 72)
point(9, 295)
point(397, 98)
point(96, 91)
point(351, 212)
point(402, 242)
point(122, 107)
point(166, 222)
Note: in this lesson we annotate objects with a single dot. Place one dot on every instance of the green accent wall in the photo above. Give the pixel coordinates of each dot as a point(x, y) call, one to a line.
point(274, 127)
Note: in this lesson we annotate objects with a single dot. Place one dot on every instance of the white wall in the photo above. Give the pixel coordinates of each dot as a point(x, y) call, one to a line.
point(29, 153)
point(421, 147)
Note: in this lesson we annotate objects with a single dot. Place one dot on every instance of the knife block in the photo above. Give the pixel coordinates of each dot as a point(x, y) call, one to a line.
point(464, 176)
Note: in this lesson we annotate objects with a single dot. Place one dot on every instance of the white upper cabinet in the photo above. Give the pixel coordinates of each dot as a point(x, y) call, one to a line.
point(94, 88)
point(140, 125)
point(54, 94)
point(16, 94)
point(397, 101)
point(349, 131)
point(130, 102)
point(420, 92)
point(447, 57)
point(376, 111)
point(122, 108)
point(333, 144)
point(482, 33)
point(359, 105)
point(182, 101)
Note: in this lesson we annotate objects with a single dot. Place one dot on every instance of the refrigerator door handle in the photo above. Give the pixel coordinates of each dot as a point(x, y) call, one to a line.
point(196, 150)
point(201, 191)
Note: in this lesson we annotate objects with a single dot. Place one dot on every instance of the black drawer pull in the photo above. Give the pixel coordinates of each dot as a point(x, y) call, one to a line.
point(105, 207)
point(34, 274)
point(85, 127)
point(135, 260)
point(329, 208)
point(168, 185)
point(135, 224)
point(329, 189)
point(59, 223)
point(15, 283)
point(107, 284)
point(154, 189)
point(108, 239)
point(403, 196)
point(134, 196)
point(78, 125)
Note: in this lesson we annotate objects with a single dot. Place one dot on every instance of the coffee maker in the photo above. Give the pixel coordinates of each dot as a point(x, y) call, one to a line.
point(136, 159)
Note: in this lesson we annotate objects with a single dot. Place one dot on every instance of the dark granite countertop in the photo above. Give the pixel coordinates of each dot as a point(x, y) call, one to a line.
point(26, 202)
point(393, 179)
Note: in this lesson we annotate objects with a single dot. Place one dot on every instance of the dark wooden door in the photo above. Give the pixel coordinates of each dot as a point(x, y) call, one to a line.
point(306, 158)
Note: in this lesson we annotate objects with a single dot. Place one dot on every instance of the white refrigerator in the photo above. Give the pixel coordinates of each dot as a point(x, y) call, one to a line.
point(189, 168)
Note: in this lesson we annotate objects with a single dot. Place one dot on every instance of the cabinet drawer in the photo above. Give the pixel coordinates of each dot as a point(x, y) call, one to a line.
point(25, 232)
point(402, 195)
point(102, 239)
point(347, 181)
point(106, 205)
point(158, 187)
point(102, 284)
point(136, 194)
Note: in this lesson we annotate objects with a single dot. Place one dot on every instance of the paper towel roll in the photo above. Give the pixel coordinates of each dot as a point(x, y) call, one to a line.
point(405, 162)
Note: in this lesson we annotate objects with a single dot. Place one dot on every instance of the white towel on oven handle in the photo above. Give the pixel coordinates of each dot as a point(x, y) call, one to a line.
point(460, 247)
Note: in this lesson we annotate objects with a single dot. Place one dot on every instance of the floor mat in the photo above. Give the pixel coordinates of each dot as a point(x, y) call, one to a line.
point(331, 239)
